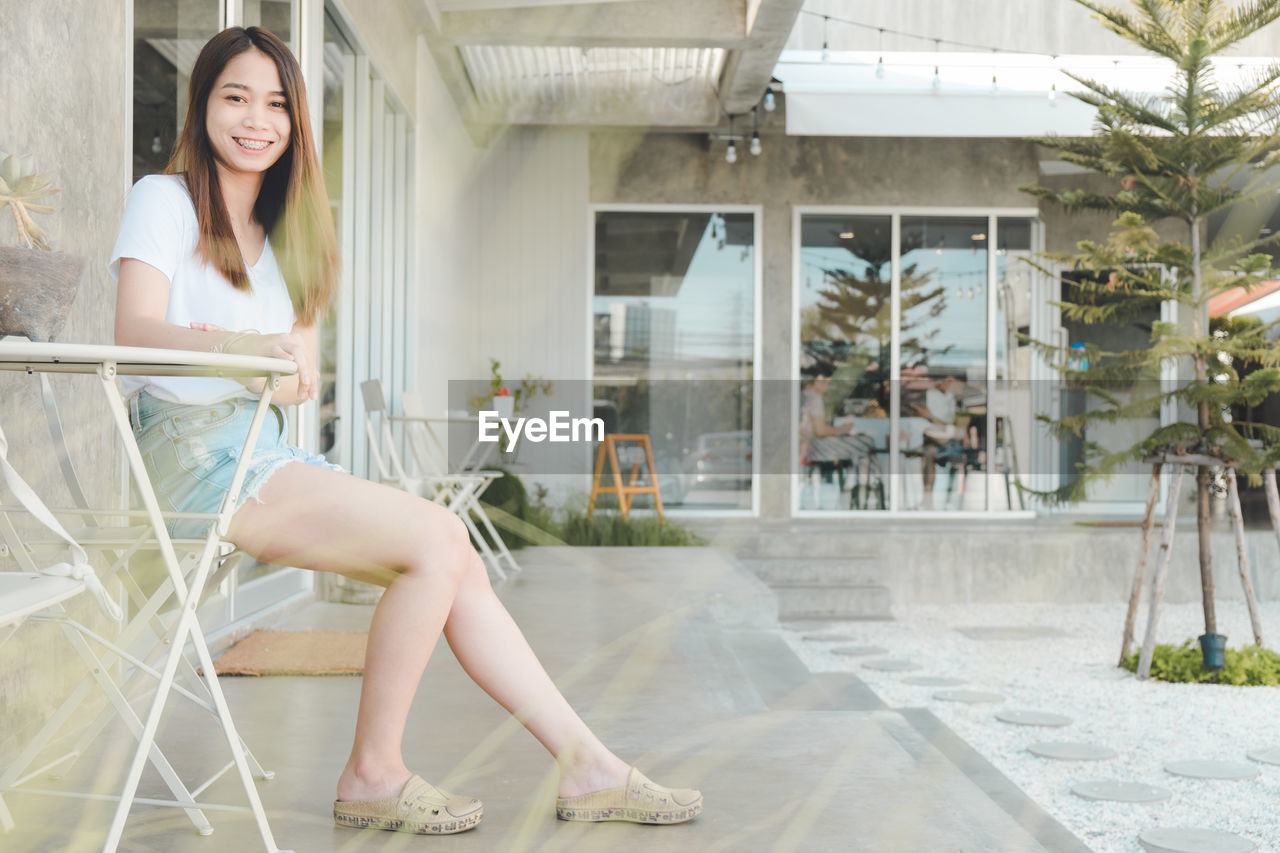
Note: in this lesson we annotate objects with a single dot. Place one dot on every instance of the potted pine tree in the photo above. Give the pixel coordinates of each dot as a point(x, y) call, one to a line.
point(1174, 159)
point(37, 285)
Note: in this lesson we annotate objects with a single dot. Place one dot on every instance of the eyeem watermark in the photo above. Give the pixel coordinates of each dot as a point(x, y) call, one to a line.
point(559, 428)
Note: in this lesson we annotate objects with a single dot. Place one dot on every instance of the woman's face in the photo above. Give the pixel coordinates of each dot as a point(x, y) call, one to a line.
point(247, 117)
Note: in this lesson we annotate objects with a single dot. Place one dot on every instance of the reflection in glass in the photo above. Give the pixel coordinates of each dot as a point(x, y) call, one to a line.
point(845, 334)
point(1011, 399)
point(167, 37)
point(942, 396)
point(674, 314)
point(275, 16)
point(339, 59)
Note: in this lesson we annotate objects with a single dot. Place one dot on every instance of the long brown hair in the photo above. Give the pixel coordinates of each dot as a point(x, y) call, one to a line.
point(291, 206)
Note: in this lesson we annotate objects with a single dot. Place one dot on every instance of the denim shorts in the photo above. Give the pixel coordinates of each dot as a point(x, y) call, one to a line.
point(191, 451)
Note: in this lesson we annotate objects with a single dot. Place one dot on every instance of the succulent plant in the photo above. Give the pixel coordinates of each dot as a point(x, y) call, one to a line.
point(20, 185)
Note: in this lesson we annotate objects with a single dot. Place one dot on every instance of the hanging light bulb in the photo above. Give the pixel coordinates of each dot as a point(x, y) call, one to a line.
point(995, 88)
point(155, 143)
point(937, 79)
point(770, 103)
point(714, 235)
point(880, 68)
point(755, 148)
point(731, 153)
point(826, 50)
point(1053, 94)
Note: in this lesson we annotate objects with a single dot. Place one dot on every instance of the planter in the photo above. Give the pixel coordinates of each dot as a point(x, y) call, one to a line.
point(1213, 649)
point(505, 406)
point(36, 291)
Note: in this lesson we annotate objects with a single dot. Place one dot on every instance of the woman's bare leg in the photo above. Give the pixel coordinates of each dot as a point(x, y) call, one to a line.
point(324, 520)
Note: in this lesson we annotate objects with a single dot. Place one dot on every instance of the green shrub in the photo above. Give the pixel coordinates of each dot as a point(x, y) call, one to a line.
point(608, 529)
point(527, 521)
point(1248, 666)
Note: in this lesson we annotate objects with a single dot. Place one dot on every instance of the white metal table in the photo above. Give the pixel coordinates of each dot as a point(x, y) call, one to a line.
point(108, 362)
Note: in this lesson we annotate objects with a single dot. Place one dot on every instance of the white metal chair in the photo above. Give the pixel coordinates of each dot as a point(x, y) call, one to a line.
point(428, 476)
point(117, 665)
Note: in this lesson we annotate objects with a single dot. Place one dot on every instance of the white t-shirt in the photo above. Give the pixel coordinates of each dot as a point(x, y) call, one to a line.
point(159, 228)
point(941, 405)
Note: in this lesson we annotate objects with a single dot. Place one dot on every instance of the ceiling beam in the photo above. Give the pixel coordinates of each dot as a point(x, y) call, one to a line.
point(644, 23)
point(747, 72)
point(701, 110)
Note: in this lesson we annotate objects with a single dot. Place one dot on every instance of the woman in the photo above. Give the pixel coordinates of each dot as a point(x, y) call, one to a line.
point(232, 250)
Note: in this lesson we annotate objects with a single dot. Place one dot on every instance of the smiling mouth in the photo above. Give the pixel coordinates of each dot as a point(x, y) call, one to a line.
point(251, 144)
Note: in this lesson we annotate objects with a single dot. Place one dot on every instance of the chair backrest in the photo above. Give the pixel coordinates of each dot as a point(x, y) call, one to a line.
point(382, 441)
point(78, 568)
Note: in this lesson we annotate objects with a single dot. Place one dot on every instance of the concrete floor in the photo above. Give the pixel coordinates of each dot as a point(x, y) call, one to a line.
point(670, 656)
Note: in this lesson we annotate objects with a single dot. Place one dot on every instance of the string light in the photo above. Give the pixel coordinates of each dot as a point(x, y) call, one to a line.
point(880, 61)
point(770, 103)
point(1053, 94)
point(826, 51)
point(731, 153)
point(755, 147)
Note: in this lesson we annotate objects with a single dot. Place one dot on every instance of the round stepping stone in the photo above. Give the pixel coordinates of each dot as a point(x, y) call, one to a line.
point(832, 638)
point(1269, 755)
point(971, 697)
point(933, 681)
point(891, 665)
point(1200, 769)
point(1115, 791)
point(1183, 839)
point(1033, 718)
point(1071, 751)
point(859, 651)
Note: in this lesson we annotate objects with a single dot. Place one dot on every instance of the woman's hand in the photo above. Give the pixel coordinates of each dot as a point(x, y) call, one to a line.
point(287, 345)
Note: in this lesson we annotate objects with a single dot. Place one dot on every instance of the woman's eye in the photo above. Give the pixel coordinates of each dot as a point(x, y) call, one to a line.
point(279, 104)
point(235, 98)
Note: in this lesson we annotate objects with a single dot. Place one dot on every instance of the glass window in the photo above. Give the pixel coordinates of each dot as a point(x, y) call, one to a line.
point(942, 399)
point(956, 437)
point(845, 337)
point(167, 37)
point(339, 67)
point(674, 312)
point(275, 16)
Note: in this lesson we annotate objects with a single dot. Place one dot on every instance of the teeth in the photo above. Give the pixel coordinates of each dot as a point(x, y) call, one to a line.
point(252, 145)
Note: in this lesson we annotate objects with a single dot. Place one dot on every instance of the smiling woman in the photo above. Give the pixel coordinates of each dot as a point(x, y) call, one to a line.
point(233, 250)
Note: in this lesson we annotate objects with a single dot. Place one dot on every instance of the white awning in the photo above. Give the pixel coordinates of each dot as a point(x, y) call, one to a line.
point(961, 94)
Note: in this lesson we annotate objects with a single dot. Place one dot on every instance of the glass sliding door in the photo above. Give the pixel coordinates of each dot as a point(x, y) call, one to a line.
point(943, 390)
point(674, 308)
point(845, 300)
point(913, 383)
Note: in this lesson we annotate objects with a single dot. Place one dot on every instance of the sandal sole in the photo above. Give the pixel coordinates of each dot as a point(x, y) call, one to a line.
point(632, 815)
point(449, 827)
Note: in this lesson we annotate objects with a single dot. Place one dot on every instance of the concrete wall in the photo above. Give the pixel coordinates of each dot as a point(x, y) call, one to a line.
point(680, 169)
point(62, 98)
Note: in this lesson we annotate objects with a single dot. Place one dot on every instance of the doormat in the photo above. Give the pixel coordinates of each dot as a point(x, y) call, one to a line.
point(295, 653)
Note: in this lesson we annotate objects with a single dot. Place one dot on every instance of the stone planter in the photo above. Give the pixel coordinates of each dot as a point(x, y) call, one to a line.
point(36, 291)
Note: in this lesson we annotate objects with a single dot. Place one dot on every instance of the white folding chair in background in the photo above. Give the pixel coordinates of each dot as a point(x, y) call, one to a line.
point(428, 476)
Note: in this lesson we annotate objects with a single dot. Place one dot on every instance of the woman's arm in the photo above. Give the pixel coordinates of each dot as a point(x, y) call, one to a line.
point(142, 298)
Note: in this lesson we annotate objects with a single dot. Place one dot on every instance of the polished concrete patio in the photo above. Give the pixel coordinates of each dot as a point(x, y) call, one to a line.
point(670, 655)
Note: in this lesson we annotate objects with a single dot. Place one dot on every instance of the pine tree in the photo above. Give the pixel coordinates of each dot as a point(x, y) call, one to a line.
point(1198, 148)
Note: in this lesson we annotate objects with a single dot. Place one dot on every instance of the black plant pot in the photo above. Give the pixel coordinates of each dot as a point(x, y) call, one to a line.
point(1213, 650)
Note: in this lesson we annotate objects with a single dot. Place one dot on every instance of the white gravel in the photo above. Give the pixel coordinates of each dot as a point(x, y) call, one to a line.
point(1148, 723)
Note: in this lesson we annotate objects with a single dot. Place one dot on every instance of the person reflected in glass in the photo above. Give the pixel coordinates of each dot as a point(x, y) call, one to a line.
point(232, 250)
point(942, 442)
point(825, 444)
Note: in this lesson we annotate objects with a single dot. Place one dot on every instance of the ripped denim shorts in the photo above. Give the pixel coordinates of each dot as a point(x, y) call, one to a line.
point(190, 452)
